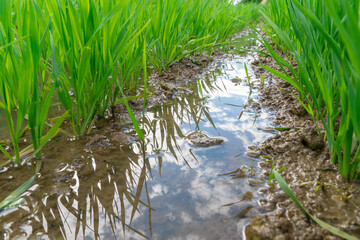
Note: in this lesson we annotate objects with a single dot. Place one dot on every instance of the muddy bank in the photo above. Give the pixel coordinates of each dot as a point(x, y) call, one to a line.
point(306, 156)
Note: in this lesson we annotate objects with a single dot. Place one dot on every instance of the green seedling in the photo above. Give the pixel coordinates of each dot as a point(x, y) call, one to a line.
point(321, 38)
point(256, 115)
point(266, 158)
point(344, 196)
point(262, 81)
point(248, 80)
point(200, 88)
point(273, 170)
point(25, 88)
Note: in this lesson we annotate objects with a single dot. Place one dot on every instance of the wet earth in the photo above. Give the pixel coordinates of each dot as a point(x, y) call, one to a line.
point(308, 171)
point(202, 172)
point(201, 139)
point(191, 179)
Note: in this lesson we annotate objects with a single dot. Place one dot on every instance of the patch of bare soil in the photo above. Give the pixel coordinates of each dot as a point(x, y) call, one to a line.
point(166, 84)
point(307, 159)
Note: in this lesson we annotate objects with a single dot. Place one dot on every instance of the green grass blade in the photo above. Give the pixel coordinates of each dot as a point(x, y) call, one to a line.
point(321, 223)
point(132, 117)
point(54, 130)
point(20, 190)
point(283, 77)
point(13, 42)
point(6, 153)
point(145, 80)
point(17, 193)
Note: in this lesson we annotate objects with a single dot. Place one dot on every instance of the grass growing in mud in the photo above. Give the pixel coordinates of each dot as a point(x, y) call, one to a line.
point(322, 39)
point(91, 53)
point(25, 88)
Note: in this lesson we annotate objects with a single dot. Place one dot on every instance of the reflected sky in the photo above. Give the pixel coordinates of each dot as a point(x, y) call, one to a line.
point(178, 191)
point(190, 196)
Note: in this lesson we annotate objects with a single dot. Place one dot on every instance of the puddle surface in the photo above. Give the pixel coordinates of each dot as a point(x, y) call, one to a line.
point(106, 190)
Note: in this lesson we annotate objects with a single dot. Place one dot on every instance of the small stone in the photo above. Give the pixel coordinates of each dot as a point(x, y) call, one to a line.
point(253, 154)
point(121, 138)
point(201, 139)
point(95, 140)
point(312, 139)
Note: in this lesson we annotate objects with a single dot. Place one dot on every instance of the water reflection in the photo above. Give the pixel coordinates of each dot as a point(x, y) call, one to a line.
point(74, 201)
point(168, 124)
point(178, 191)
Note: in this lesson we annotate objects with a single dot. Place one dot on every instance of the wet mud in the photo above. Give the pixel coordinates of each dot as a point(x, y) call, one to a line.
point(306, 157)
point(201, 139)
point(108, 185)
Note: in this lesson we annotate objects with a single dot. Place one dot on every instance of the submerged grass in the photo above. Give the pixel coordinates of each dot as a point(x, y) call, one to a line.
point(322, 38)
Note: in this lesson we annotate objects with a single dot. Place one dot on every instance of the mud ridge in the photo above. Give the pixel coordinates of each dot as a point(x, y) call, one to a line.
point(306, 157)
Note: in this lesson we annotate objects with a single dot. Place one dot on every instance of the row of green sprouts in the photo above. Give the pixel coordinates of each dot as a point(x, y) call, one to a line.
point(90, 54)
point(322, 39)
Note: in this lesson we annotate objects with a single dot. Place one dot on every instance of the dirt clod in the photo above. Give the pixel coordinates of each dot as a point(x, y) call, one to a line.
point(201, 139)
point(121, 138)
point(311, 138)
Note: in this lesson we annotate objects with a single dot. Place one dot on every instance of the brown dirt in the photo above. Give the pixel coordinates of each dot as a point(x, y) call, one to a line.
point(307, 158)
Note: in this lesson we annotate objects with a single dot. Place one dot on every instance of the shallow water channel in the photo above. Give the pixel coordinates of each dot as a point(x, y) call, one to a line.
point(106, 190)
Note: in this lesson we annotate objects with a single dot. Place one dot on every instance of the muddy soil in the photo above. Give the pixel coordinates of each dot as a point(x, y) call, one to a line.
point(307, 159)
point(300, 149)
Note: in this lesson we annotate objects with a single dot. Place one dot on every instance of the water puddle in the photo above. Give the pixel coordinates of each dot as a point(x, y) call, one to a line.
point(103, 189)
